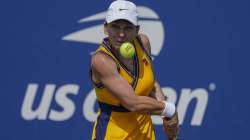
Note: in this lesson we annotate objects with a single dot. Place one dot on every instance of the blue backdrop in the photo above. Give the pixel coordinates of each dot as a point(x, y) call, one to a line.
point(201, 60)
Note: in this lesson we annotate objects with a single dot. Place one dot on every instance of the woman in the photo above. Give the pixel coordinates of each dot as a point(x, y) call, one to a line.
point(126, 89)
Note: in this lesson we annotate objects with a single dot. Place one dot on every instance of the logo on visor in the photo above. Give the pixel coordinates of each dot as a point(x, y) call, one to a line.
point(149, 21)
point(122, 9)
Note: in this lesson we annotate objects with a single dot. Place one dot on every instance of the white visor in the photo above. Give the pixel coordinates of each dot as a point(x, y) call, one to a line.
point(122, 9)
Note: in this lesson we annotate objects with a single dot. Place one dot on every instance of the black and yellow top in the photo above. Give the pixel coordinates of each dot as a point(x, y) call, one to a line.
point(114, 122)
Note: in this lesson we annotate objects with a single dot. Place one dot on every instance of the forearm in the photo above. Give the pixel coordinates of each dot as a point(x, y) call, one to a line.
point(125, 93)
point(141, 104)
point(151, 106)
point(147, 105)
point(157, 92)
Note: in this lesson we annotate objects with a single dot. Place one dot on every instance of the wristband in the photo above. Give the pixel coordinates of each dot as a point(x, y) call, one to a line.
point(169, 110)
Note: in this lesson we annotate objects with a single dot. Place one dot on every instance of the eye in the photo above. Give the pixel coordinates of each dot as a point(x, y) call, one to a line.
point(129, 28)
point(115, 27)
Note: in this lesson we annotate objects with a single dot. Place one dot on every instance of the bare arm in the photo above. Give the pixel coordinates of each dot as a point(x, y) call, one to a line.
point(170, 125)
point(104, 68)
point(157, 92)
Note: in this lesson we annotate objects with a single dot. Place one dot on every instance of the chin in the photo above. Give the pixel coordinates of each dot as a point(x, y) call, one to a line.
point(117, 45)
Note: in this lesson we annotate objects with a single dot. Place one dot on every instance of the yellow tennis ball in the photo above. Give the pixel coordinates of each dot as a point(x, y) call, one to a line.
point(127, 50)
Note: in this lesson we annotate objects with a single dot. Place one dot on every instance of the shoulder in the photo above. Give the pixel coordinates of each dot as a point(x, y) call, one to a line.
point(102, 63)
point(145, 40)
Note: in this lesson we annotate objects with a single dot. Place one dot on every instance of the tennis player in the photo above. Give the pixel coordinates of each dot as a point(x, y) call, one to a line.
point(126, 89)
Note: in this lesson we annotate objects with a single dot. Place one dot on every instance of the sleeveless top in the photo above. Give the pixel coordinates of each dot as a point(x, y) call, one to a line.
point(114, 122)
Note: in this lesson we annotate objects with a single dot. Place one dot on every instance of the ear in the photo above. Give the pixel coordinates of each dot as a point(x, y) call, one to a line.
point(105, 29)
point(137, 29)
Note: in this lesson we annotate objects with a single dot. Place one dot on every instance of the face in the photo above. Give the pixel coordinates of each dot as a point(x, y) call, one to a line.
point(120, 31)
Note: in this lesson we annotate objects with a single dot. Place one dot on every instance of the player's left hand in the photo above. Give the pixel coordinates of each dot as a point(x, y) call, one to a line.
point(171, 126)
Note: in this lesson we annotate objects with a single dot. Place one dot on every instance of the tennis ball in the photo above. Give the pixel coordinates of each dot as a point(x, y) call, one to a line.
point(127, 50)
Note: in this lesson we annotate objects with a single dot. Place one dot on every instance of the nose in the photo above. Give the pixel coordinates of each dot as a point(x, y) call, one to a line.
point(121, 33)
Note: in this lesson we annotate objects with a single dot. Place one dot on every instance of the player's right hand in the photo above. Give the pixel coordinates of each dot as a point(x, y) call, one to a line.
point(171, 127)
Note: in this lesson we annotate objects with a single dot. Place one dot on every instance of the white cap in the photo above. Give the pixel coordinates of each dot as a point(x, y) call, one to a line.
point(122, 9)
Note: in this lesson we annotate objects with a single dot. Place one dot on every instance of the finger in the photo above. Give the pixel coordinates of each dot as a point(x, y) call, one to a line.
point(174, 130)
point(170, 121)
point(172, 124)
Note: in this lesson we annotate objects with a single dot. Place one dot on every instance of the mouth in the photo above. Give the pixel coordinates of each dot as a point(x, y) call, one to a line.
point(119, 43)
